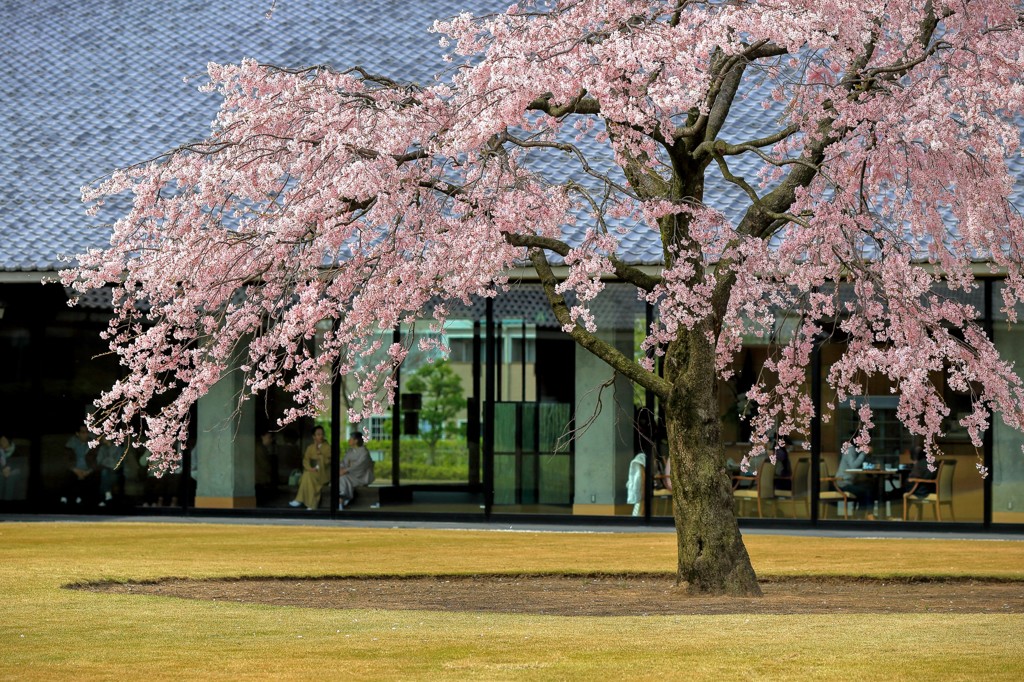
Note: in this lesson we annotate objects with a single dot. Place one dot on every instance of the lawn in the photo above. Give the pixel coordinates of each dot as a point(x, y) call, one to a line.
point(47, 632)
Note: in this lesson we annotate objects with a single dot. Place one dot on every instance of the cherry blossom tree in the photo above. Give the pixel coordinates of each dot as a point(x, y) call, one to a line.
point(876, 158)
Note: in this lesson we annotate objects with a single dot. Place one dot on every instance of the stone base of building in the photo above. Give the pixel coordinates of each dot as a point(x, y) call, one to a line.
point(246, 502)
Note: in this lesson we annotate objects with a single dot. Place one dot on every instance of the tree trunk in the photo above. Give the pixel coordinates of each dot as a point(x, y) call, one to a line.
point(712, 557)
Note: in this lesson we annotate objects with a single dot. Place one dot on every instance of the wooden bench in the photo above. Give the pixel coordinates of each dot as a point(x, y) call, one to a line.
point(366, 497)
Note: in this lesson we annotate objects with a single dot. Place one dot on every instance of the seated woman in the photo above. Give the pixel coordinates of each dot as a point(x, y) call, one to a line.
point(783, 469)
point(316, 471)
point(356, 470)
point(920, 471)
point(847, 482)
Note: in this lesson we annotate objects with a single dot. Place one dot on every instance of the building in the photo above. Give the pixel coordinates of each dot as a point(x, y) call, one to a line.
point(95, 87)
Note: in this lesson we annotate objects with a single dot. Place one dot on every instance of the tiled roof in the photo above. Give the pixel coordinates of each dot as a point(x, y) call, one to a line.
point(89, 87)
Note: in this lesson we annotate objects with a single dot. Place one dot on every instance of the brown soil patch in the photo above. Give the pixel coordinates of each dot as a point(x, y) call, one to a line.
point(594, 595)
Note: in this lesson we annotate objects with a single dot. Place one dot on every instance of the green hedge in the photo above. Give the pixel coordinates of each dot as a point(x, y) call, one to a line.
point(451, 460)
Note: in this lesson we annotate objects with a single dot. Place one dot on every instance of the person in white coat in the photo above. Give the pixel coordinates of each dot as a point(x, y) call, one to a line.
point(635, 482)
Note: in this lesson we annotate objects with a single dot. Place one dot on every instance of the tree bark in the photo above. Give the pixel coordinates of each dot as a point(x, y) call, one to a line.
point(712, 557)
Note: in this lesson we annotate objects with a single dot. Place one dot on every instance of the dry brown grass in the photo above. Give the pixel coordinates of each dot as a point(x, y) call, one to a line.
point(51, 633)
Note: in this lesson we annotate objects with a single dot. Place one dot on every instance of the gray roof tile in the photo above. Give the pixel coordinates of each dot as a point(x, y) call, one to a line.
point(90, 87)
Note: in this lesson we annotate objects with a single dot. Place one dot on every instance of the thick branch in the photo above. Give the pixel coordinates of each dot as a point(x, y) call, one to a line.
point(759, 218)
point(719, 96)
point(580, 105)
point(755, 200)
point(720, 147)
point(623, 271)
point(722, 102)
point(628, 367)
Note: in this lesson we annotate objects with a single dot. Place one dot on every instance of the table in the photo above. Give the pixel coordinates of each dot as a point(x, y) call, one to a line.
point(881, 475)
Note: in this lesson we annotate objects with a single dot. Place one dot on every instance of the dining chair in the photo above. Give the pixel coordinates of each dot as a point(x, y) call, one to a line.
point(830, 490)
point(763, 490)
point(800, 486)
point(943, 494)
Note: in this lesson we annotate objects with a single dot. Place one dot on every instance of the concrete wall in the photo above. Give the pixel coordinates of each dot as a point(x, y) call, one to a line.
point(604, 446)
point(225, 447)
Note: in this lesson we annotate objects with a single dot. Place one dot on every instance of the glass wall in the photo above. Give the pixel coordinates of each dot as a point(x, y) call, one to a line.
point(1007, 443)
point(52, 366)
point(430, 452)
point(878, 483)
point(427, 449)
point(534, 391)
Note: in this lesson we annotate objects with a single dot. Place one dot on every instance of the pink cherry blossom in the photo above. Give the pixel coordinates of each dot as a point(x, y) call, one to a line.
point(840, 166)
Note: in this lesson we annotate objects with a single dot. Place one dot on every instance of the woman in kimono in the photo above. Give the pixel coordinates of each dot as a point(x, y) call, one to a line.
point(356, 470)
point(316, 471)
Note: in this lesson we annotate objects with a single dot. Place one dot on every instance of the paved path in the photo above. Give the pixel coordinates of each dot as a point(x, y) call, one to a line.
point(518, 526)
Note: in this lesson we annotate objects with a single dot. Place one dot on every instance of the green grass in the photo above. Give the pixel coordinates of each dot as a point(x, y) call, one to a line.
point(47, 632)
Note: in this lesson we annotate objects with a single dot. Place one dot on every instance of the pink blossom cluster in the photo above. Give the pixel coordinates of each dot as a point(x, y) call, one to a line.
point(336, 205)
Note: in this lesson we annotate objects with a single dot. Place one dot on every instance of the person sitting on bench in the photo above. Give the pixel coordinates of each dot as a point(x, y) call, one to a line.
point(356, 470)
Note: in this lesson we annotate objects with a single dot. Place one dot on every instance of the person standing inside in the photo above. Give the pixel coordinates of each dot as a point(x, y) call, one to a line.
point(356, 470)
point(108, 457)
point(81, 479)
point(783, 469)
point(264, 465)
point(11, 471)
point(316, 471)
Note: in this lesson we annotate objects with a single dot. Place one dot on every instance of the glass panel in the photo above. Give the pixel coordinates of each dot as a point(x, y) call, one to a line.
point(434, 409)
point(437, 466)
point(555, 479)
point(504, 479)
point(554, 421)
point(505, 425)
point(528, 492)
point(555, 485)
point(54, 365)
point(528, 426)
point(525, 474)
point(1007, 464)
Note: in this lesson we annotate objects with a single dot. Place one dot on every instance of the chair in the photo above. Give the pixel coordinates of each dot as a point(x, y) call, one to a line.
point(764, 486)
point(800, 488)
point(662, 494)
point(829, 463)
point(943, 494)
point(836, 494)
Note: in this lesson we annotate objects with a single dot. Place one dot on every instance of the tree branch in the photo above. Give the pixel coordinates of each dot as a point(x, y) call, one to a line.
point(723, 148)
point(720, 108)
point(581, 104)
point(623, 271)
point(570, 149)
point(602, 349)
